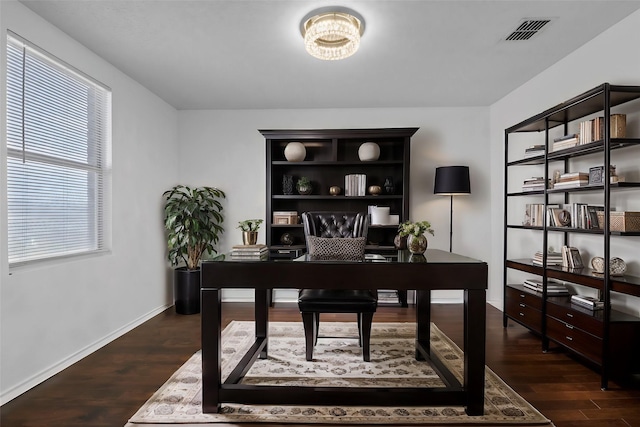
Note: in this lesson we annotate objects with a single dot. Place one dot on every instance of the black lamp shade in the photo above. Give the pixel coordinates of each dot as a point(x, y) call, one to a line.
point(452, 180)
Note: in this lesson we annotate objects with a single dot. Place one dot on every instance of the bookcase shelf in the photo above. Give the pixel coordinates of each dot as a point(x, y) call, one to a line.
point(599, 335)
point(331, 154)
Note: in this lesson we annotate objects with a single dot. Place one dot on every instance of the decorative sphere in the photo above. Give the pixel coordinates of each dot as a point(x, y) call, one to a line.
point(369, 151)
point(295, 152)
point(334, 190)
point(374, 190)
point(286, 239)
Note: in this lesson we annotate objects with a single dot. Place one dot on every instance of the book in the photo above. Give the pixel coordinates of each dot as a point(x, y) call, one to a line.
point(571, 257)
point(553, 287)
point(566, 137)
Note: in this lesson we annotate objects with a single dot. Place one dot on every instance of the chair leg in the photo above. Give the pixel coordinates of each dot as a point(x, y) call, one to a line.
point(310, 333)
point(316, 332)
point(367, 319)
point(359, 316)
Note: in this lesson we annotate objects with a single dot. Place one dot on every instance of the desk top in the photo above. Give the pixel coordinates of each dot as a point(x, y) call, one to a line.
point(436, 270)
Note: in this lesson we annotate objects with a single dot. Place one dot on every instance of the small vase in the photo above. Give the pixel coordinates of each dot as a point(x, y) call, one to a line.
point(388, 185)
point(287, 185)
point(417, 244)
point(249, 237)
point(304, 190)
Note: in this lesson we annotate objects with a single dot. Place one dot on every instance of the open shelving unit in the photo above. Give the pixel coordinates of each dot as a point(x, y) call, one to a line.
point(330, 155)
point(607, 339)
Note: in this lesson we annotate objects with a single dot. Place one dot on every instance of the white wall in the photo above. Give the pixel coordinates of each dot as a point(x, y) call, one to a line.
point(55, 314)
point(227, 151)
point(611, 57)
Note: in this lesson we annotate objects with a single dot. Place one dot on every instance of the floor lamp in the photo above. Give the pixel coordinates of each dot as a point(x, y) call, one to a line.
point(452, 181)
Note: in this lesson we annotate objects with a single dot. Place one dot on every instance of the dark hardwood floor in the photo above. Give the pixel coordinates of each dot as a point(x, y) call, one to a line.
point(107, 387)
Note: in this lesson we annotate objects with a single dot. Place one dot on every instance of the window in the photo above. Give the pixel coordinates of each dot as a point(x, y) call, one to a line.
point(58, 132)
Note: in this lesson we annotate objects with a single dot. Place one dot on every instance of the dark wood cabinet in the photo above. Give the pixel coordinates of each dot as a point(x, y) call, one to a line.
point(331, 155)
point(607, 338)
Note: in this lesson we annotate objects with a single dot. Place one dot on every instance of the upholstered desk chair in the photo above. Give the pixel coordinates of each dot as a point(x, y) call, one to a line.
point(341, 236)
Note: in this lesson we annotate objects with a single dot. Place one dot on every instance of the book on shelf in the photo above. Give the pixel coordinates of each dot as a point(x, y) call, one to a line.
point(535, 184)
point(249, 251)
point(566, 137)
point(564, 144)
point(534, 150)
point(355, 184)
point(553, 287)
point(587, 302)
point(571, 257)
point(593, 130)
point(553, 258)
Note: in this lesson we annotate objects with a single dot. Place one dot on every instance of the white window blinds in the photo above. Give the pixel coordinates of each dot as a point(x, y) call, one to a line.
point(58, 132)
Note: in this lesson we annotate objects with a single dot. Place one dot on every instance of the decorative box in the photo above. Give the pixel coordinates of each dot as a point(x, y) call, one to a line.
point(621, 221)
point(285, 218)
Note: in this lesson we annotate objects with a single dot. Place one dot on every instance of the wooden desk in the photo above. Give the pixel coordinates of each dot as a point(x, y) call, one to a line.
point(442, 270)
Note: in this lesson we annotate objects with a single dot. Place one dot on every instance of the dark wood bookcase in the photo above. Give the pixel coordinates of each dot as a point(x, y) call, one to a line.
point(607, 339)
point(330, 155)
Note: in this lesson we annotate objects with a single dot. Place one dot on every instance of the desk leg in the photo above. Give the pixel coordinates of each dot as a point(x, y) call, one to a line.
point(211, 349)
point(474, 349)
point(262, 317)
point(423, 320)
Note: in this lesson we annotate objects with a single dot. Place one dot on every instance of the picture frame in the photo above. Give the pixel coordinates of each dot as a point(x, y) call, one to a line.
point(596, 175)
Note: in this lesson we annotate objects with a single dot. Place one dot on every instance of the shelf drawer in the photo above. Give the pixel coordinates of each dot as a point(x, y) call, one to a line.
point(528, 316)
point(575, 339)
point(524, 297)
point(576, 318)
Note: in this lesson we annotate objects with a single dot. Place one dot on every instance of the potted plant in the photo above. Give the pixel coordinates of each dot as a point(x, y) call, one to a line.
point(193, 221)
point(416, 241)
point(304, 186)
point(249, 229)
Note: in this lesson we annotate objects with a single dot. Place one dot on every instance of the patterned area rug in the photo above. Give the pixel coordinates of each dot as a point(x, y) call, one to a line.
point(337, 361)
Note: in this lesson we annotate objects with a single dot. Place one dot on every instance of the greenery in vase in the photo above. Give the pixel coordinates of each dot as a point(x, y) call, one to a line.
point(415, 228)
point(193, 221)
point(304, 182)
point(250, 224)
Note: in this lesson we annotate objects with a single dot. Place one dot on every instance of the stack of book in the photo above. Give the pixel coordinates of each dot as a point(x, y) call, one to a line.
point(587, 302)
point(534, 184)
point(355, 184)
point(565, 142)
point(249, 252)
point(553, 258)
point(534, 150)
point(553, 288)
point(572, 180)
point(571, 257)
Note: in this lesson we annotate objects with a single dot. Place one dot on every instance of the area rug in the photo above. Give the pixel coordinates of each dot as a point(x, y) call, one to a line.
point(337, 362)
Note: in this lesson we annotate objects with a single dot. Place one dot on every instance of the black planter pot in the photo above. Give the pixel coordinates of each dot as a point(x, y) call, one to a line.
point(186, 290)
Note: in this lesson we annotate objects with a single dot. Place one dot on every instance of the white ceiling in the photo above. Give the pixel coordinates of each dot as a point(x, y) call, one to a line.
point(249, 54)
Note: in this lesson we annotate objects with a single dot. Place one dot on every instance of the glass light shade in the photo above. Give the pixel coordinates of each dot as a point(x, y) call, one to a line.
point(332, 35)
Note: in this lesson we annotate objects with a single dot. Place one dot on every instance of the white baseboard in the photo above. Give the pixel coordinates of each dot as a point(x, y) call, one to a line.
point(44, 375)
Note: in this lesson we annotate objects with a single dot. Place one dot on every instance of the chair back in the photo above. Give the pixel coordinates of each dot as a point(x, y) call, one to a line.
point(335, 224)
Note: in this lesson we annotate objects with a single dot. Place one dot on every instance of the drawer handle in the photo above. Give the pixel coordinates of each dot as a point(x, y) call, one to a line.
point(521, 314)
point(568, 326)
point(569, 315)
point(522, 305)
point(569, 338)
point(522, 295)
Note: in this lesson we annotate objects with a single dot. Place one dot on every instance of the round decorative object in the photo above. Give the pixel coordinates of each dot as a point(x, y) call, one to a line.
point(417, 244)
point(374, 190)
point(334, 190)
point(565, 218)
point(597, 263)
point(369, 151)
point(286, 239)
point(295, 152)
point(617, 267)
point(400, 242)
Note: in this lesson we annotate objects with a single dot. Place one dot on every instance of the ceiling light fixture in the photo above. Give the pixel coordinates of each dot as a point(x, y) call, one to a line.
point(332, 33)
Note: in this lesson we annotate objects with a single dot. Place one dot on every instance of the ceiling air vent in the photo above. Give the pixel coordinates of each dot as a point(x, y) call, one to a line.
point(527, 29)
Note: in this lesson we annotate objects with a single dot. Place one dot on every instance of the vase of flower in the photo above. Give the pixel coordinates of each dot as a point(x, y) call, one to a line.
point(416, 240)
point(417, 244)
point(249, 229)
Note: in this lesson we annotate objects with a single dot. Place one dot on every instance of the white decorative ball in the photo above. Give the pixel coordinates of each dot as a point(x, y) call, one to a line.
point(369, 151)
point(295, 152)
